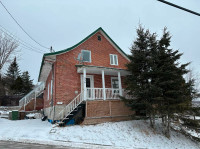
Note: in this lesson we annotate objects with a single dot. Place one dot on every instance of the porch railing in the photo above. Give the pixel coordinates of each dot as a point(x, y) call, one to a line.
point(32, 95)
point(110, 93)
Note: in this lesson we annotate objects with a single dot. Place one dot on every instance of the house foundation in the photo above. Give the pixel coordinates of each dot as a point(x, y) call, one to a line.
point(99, 111)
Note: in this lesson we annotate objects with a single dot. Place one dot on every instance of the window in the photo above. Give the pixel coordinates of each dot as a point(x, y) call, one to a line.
point(99, 37)
point(48, 92)
point(113, 59)
point(86, 54)
point(115, 84)
point(51, 87)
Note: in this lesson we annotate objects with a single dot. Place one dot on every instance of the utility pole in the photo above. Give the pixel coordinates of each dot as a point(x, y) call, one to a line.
point(51, 49)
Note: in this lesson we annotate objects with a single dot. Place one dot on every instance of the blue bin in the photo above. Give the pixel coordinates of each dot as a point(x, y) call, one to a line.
point(71, 122)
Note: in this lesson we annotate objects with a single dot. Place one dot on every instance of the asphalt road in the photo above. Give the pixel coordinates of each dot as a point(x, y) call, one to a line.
point(18, 145)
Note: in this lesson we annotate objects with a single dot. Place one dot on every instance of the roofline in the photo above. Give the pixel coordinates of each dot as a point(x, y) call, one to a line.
point(71, 48)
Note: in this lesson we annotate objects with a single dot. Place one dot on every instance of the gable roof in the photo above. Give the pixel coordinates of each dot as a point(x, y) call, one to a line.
point(82, 41)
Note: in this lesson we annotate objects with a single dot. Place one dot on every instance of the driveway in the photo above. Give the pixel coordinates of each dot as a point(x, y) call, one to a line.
point(17, 145)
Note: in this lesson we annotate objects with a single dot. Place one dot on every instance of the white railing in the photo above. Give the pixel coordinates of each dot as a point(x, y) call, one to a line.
point(71, 106)
point(74, 104)
point(32, 95)
point(94, 93)
point(97, 93)
point(110, 93)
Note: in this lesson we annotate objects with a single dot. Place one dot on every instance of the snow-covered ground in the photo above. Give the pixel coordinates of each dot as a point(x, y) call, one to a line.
point(4, 114)
point(127, 134)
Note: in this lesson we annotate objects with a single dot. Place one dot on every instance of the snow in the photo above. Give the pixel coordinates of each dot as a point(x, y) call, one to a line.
point(198, 99)
point(4, 114)
point(190, 131)
point(34, 115)
point(30, 115)
point(127, 134)
point(192, 117)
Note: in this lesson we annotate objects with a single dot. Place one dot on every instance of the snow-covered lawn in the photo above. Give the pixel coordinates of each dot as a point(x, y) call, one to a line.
point(127, 134)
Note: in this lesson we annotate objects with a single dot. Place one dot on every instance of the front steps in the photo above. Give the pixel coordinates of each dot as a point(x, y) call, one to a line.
point(75, 117)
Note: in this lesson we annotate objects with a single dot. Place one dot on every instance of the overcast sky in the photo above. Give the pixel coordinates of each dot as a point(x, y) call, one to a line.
point(63, 23)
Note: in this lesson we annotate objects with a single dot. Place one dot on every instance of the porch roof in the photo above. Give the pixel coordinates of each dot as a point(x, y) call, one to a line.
point(98, 70)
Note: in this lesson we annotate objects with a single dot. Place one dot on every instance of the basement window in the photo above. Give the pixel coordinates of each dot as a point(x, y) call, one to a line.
point(113, 59)
point(86, 54)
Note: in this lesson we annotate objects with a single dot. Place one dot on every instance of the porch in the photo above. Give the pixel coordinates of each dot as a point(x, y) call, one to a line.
point(101, 83)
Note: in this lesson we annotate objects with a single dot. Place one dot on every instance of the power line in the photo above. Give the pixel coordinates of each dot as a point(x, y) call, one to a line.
point(12, 35)
point(179, 7)
point(24, 45)
point(31, 50)
point(22, 27)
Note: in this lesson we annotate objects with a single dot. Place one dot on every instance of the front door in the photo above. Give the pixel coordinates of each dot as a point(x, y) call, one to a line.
point(89, 85)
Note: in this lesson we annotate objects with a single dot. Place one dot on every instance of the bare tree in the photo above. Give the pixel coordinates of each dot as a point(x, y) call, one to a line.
point(7, 47)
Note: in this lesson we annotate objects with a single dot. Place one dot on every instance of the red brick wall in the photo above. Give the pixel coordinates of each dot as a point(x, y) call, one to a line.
point(98, 81)
point(67, 80)
point(101, 108)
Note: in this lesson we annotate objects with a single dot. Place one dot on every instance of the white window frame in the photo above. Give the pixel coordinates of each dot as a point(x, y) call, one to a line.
point(51, 87)
point(113, 56)
point(113, 89)
point(112, 82)
point(90, 55)
point(91, 79)
point(48, 92)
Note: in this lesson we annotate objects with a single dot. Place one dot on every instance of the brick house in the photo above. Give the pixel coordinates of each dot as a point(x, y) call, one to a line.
point(84, 82)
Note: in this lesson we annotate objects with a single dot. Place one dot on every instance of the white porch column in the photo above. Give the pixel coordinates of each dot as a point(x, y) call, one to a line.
point(103, 85)
point(84, 84)
point(120, 84)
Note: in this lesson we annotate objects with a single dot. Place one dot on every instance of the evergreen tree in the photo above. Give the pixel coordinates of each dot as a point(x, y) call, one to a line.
point(139, 83)
point(27, 83)
point(12, 75)
point(175, 95)
point(17, 87)
point(17, 83)
point(156, 82)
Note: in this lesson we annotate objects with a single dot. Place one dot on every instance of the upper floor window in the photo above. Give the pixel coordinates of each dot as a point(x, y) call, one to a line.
point(99, 37)
point(113, 59)
point(86, 55)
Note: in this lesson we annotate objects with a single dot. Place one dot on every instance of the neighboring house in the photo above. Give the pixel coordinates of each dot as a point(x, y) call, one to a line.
point(84, 82)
